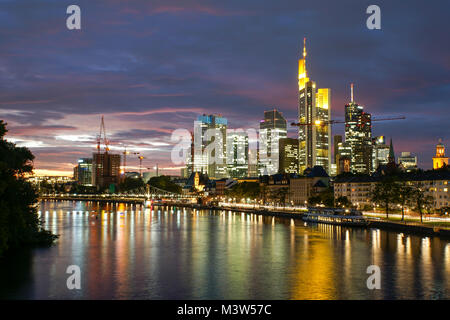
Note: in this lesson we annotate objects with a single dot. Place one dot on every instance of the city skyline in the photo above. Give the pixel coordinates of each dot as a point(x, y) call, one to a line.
point(164, 75)
point(209, 154)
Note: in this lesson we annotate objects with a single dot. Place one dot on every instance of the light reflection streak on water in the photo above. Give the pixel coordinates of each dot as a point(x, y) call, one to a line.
point(230, 255)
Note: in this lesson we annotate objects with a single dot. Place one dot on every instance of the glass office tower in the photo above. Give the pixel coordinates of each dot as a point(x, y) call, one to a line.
point(313, 111)
point(210, 145)
point(271, 130)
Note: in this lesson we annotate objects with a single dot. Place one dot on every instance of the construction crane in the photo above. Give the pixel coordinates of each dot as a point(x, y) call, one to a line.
point(140, 165)
point(99, 137)
point(329, 122)
point(155, 168)
point(320, 123)
point(125, 153)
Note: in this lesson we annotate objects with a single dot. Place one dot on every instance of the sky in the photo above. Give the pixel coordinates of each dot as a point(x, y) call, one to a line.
point(153, 66)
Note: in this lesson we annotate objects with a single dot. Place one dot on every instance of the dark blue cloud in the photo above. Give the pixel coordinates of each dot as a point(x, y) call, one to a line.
point(233, 57)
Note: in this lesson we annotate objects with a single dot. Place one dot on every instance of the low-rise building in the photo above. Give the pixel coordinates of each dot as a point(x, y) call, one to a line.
point(271, 187)
point(301, 188)
point(359, 189)
point(223, 184)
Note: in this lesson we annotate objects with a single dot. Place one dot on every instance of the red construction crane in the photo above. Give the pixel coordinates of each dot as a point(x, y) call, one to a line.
point(99, 137)
point(323, 123)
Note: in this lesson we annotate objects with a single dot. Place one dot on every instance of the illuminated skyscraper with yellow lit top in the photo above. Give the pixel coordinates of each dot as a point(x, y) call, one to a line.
point(313, 108)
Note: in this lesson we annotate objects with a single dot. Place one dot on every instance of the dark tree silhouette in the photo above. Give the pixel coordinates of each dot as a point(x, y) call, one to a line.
point(386, 193)
point(19, 222)
point(405, 192)
point(421, 200)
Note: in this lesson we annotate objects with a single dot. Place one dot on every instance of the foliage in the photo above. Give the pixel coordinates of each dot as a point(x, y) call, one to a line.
point(421, 200)
point(404, 193)
point(244, 190)
point(343, 202)
point(314, 200)
point(49, 188)
point(367, 207)
point(386, 193)
point(280, 195)
point(164, 183)
point(19, 222)
point(81, 189)
point(130, 183)
point(325, 198)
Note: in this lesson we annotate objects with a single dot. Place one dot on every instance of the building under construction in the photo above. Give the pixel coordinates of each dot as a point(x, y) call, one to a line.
point(105, 166)
point(106, 169)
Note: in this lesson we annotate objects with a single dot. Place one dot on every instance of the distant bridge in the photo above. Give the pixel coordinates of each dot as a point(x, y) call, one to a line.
point(138, 195)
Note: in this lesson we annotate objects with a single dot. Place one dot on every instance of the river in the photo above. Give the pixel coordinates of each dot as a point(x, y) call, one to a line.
point(130, 252)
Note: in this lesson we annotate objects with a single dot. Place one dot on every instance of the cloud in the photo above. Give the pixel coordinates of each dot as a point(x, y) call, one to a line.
point(151, 66)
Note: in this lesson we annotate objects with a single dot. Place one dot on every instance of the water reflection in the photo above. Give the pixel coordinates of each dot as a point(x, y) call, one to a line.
point(131, 252)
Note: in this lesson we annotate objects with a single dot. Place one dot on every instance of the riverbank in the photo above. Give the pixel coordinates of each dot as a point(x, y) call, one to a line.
point(408, 228)
point(375, 223)
point(273, 213)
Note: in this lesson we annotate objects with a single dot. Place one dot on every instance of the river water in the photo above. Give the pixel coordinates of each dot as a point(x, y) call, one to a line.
point(130, 252)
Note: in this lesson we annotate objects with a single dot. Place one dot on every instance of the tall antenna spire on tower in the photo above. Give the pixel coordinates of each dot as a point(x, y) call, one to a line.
point(302, 72)
point(351, 92)
point(304, 47)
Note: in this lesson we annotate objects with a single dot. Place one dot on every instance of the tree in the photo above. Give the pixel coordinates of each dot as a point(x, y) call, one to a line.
point(130, 183)
point(325, 197)
point(281, 195)
point(46, 187)
point(164, 183)
point(386, 193)
point(19, 222)
point(343, 202)
point(81, 189)
point(314, 200)
point(244, 190)
point(263, 193)
point(405, 193)
point(421, 200)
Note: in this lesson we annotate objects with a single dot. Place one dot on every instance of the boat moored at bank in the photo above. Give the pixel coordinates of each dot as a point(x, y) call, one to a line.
point(336, 217)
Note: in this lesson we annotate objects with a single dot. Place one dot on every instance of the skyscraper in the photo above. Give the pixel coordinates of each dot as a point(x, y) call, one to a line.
point(253, 160)
point(288, 159)
point(380, 152)
point(83, 172)
point(313, 109)
point(237, 154)
point(105, 169)
point(336, 140)
point(271, 130)
point(358, 134)
point(343, 158)
point(407, 161)
point(210, 145)
point(187, 171)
